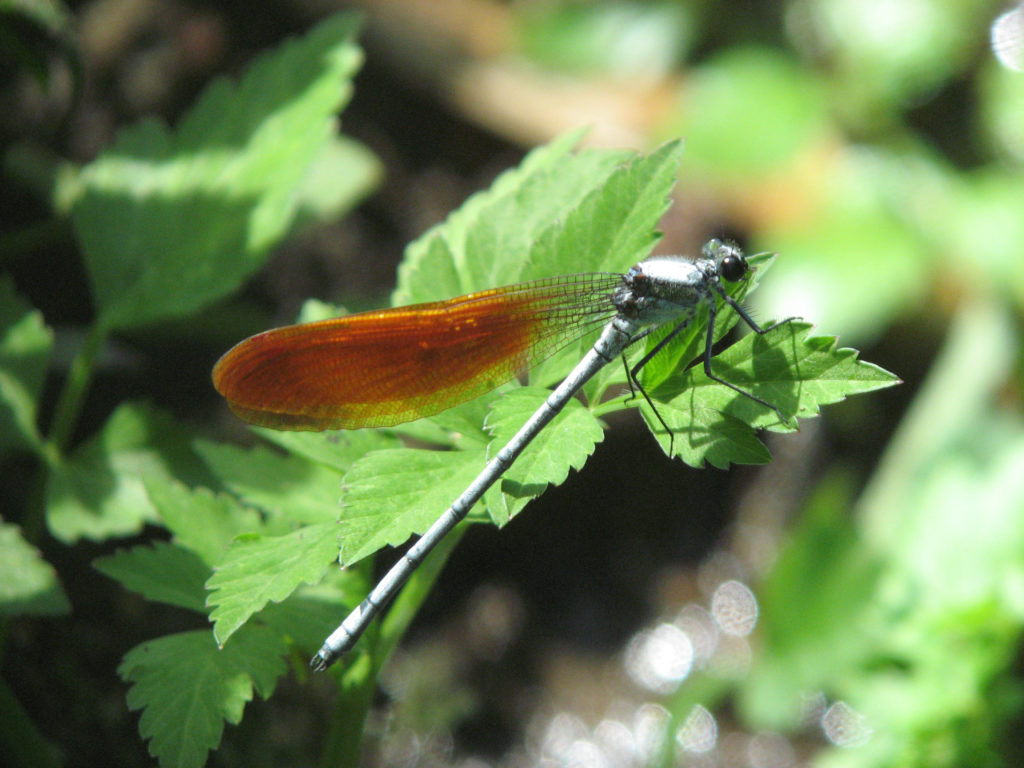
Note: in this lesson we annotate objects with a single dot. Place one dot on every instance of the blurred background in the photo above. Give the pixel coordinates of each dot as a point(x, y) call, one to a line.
point(857, 602)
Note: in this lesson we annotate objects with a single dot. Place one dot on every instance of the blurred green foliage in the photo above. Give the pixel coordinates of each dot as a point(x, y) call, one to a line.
point(878, 146)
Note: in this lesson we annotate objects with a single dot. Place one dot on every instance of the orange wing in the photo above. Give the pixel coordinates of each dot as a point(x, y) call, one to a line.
point(381, 368)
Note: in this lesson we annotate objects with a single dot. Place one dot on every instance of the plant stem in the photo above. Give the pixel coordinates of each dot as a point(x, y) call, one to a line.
point(358, 681)
point(357, 685)
point(69, 405)
point(62, 426)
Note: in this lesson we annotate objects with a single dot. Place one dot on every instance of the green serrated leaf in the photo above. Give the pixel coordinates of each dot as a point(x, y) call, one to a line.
point(25, 347)
point(188, 688)
point(201, 521)
point(390, 495)
point(463, 425)
point(290, 489)
point(611, 223)
point(609, 231)
point(232, 170)
point(257, 570)
point(613, 227)
point(702, 435)
point(487, 242)
point(28, 584)
point(565, 443)
point(557, 213)
point(162, 572)
point(313, 611)
point(796, 374)
point(337, 450)
point(98, 492)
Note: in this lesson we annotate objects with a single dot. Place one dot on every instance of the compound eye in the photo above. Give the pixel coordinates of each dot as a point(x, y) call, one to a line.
point(733, 267)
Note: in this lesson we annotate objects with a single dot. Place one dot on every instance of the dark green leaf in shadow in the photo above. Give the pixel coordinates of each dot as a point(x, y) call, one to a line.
point(170, 221)
point(393, 494)
point(290, 489)
point(188, 688)
point(201, 521)
point(25, 347)
point(28, 584)
point(162, 572)
point(98, 491)
point(260, 569)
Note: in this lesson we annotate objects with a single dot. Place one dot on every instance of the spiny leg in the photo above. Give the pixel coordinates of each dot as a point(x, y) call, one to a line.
point(632, 376)
point(710, 340)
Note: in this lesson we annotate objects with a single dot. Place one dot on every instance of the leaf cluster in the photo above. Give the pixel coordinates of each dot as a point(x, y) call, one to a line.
point(255, 532)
